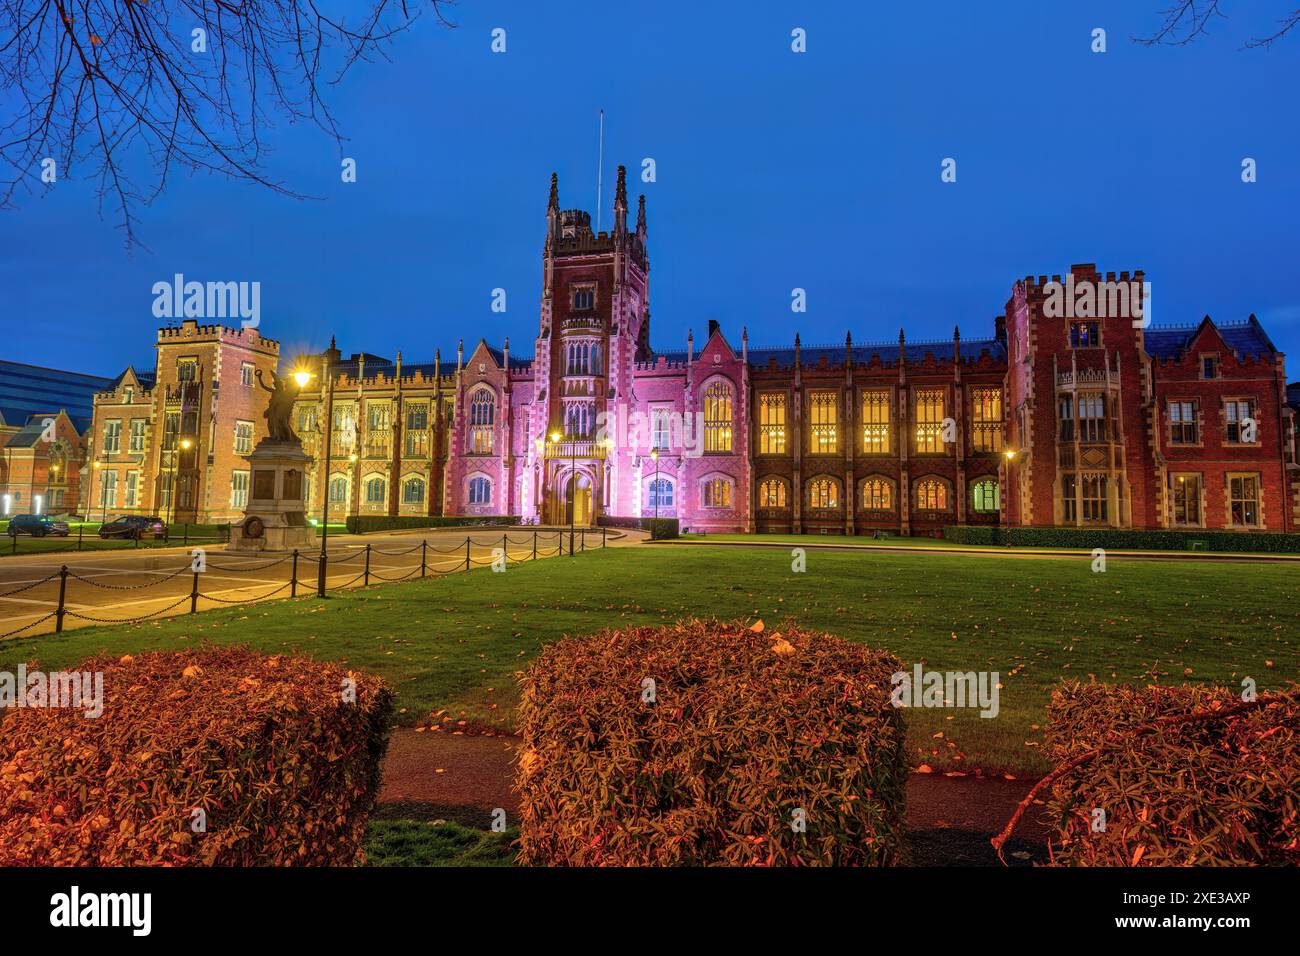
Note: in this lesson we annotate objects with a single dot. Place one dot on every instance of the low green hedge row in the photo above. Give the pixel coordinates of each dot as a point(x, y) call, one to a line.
point(1119, 538)
point(659, 528)
point(366, 524)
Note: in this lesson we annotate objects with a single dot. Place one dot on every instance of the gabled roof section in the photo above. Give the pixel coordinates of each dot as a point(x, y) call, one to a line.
point(1248, 339)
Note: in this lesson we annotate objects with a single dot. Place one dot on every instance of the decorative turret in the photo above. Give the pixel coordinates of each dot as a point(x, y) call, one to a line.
point(956, 343)
point(640, 216)
point(690, 345)
point(553, 209)
point(620, 203)
point(460, 355)
point(901, 341)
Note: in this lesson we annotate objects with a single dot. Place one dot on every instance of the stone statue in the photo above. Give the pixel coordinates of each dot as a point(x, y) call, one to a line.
point(280, 409)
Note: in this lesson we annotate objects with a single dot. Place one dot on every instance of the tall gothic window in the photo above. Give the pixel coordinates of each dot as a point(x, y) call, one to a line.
point(984, 495)
point(875, 421)
point(413, 491)
point(717, 493)
point(986, 419)
point(771, 423)
point(931, 495)
point(824, 423)
point(929, 420)
point(480, 491)
point(877, 494)
point(772, 493)
point(717, 417)
point(823, 493)
point(482, 409)
point(661, 493)
point(1092, 417)
point(1094, 498)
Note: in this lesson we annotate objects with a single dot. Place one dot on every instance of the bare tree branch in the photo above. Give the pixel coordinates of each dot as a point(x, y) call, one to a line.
point(146, 86)
point(1189, 19)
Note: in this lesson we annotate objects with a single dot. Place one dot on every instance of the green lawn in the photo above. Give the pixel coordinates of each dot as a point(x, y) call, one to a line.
point(84, 536)
point(457, 642)
point(436, 843)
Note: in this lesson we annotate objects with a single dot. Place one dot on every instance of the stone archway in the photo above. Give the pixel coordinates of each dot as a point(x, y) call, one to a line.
point(577, 499)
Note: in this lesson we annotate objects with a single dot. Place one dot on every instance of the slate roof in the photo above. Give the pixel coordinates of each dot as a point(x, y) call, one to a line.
point(1248, 339)
point(913, 352)
point(26, 390)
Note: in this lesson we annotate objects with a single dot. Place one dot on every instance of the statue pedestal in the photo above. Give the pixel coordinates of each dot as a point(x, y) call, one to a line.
point(274, 519)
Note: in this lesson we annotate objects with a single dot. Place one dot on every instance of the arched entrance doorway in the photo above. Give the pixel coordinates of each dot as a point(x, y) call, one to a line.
point(577, 506)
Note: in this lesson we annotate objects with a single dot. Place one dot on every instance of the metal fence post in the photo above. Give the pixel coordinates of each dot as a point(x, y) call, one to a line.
point(367, 572)
point(194, 594)
point(424, 552)
point(602, 537)
point(582, 543)
point(81, 529)
point(293, 575)
point(534, 544)
point(185, 534)
point(505, 548)
point(320, 579)
point(467, 552)
point(63, 590)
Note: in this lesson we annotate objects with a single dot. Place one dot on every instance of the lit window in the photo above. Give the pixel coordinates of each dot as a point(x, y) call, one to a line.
point(1069, 506)
point(185, 369)
point(717, 417)
point(132, 488)
point(986, 419)
point(717, 493)
point(984, 495)
point(931, 495)
point(246, 373)
point(375, 490)
point(823, 417)
point(823, 493)
point(138, 426)
point(482, 409)
point(338, 489)
point(661, 436)
point(1185, 496)
point(929, 421)
point(877, 494)
point(772, 493)
point(875, 422)
point(480, 491)
point(771, 423)
point(1085, 335)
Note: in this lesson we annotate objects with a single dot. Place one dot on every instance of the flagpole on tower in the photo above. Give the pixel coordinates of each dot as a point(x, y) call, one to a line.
point(600, 163)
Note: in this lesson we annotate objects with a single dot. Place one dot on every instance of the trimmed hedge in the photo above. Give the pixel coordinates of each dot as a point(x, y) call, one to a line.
point(367, 524)
point(1121, 538)
point(1218, 791)
point(284, 770)
point(659, 528)
point(745, 729)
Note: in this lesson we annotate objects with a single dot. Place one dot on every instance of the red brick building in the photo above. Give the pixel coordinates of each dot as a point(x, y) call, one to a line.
point(1123, 425)
point(170, 441)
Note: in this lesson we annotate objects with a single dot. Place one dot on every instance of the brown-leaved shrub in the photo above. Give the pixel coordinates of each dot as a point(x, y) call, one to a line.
point(282, 767)
point(1185, 776)
point(745, 729)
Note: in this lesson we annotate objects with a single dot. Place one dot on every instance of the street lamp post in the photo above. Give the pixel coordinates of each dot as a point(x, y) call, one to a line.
point(654, 453)
point(327, 383)
point(1006, 497)
point(103, 493)
point(185, 444)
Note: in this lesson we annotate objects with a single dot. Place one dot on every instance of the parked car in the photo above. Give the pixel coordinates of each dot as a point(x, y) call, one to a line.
point(36, 525)
point(133, 526)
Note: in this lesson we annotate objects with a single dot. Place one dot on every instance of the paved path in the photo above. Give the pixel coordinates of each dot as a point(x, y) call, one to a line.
point(111, 587)
point(450, 776)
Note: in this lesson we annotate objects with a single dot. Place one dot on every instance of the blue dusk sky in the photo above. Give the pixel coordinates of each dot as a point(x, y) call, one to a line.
point(775, 170)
